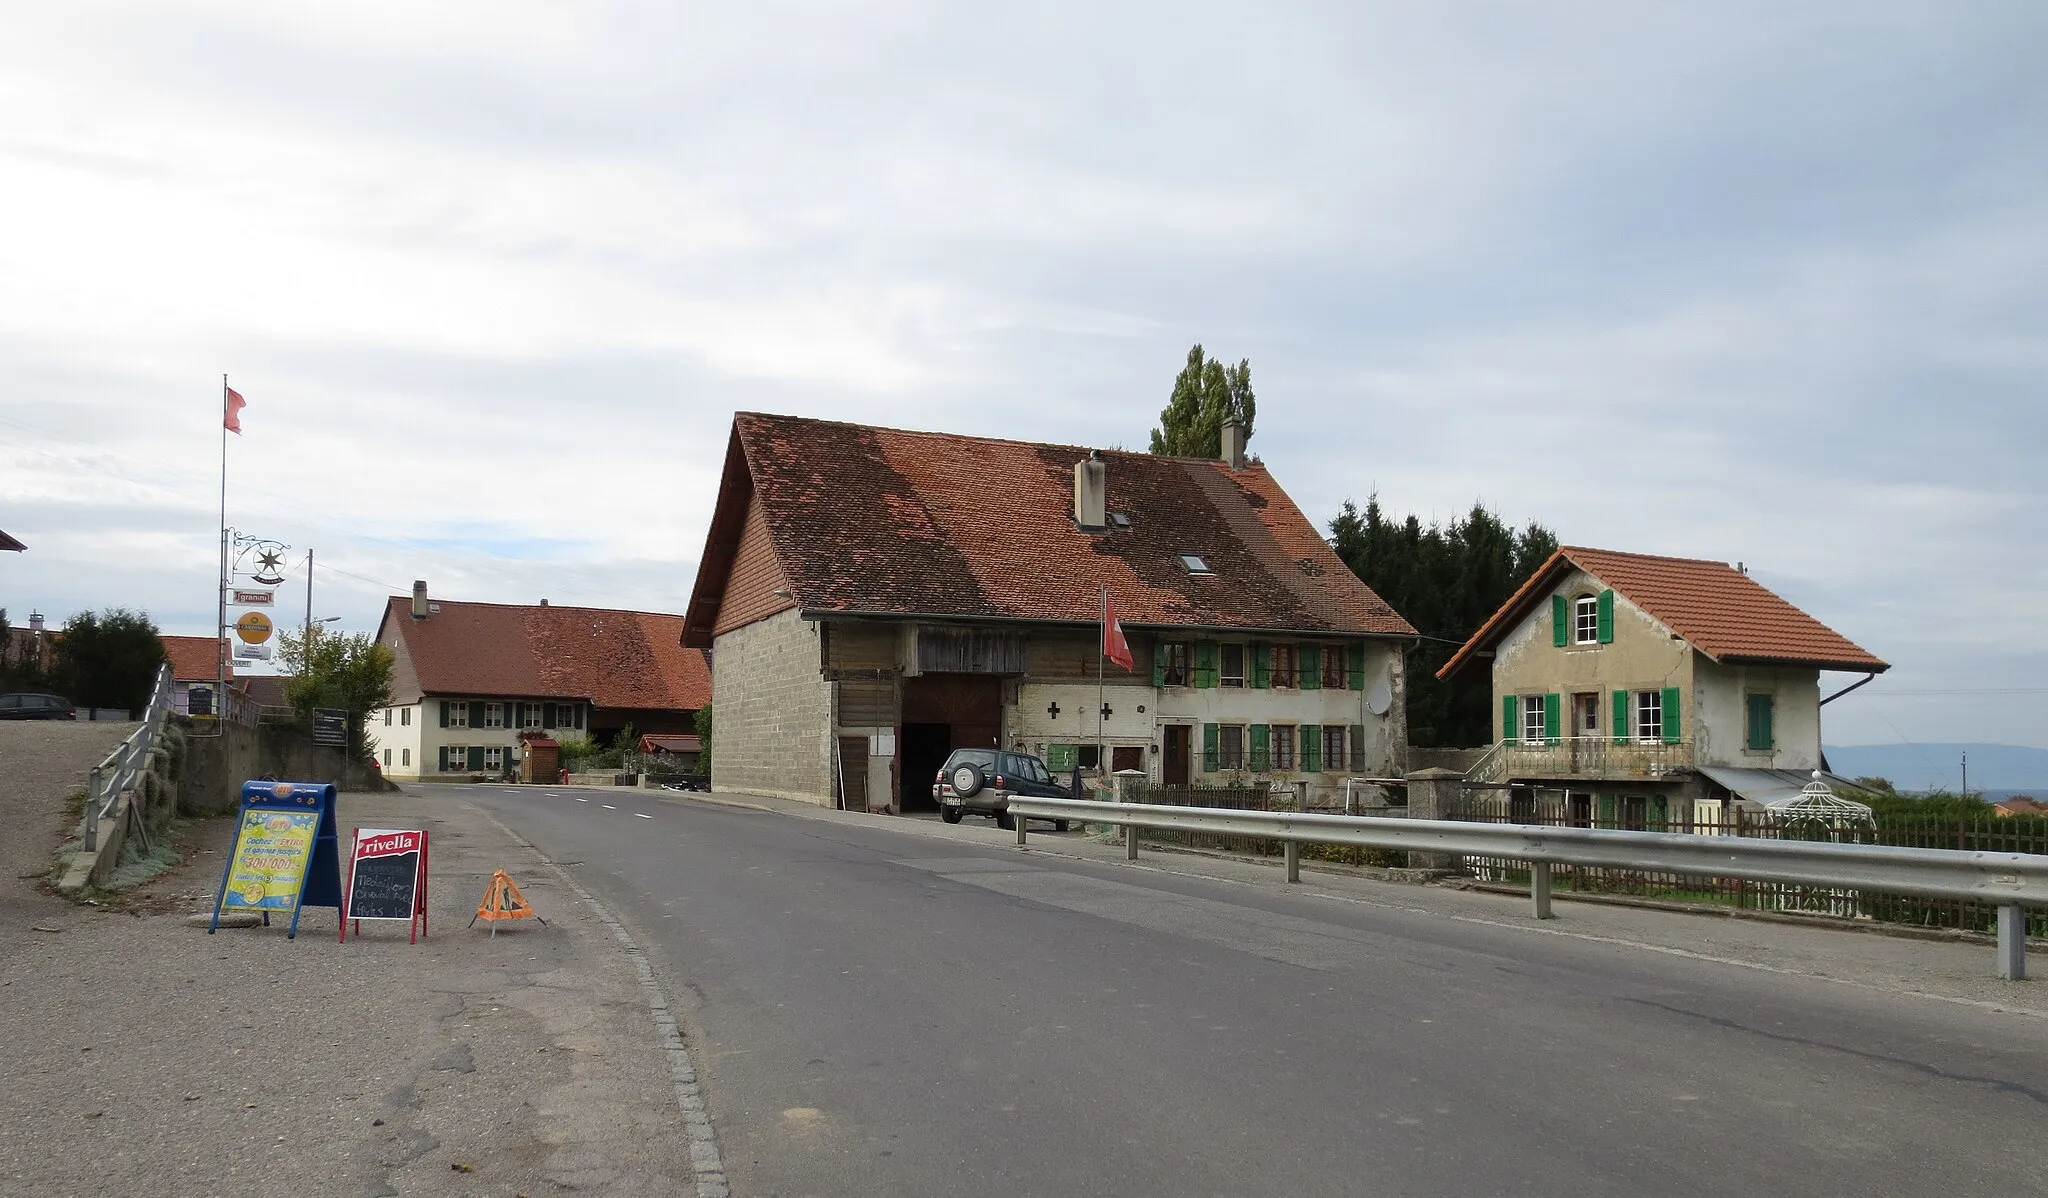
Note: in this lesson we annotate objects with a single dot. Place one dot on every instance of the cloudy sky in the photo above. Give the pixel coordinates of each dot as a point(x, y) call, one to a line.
point(1758, 281)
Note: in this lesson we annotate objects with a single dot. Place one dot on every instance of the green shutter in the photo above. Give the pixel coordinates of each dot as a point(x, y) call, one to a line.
point(1760, 722)
point(1509, 734)
point(1553, 717)
point(1311, 748)
point(548, 715)
point(1262, 757)
point(444, 723)
point(1622, 731)
point(1660, 813)
point(1357, 747)
point(476, 720)
point(476, 757)
point(1308, 666)
point(1606, 819)
point(1262, 664)
point(1210, 756)
point(1205, 663)
point(1558, 621)
point(1358, 667)
point(1060, 757)
point(441, 762)
point(1607, 617)
point(1673, 726)
point(1159, 663)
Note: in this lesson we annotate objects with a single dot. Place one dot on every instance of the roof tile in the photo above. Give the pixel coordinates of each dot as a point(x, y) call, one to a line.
point(615, 659)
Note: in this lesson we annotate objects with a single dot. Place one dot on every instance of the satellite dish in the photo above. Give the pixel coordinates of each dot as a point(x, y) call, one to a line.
point(1380, 699)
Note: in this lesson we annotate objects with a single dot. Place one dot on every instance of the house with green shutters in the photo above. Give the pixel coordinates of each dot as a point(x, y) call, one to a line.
point(1638, 691)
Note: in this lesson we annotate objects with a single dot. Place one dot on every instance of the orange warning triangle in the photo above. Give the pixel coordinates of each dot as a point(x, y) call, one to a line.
point(502, 900)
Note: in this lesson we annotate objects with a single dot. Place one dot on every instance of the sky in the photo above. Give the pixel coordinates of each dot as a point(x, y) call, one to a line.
point(1745, 281)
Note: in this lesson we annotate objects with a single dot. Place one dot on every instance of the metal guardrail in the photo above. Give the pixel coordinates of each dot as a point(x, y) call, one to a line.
point(130, 759)
point(2009, 881)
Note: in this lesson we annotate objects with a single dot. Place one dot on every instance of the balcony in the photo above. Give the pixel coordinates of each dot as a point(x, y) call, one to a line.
point(1591, 758)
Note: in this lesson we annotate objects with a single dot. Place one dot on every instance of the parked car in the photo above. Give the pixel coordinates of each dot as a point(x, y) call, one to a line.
point(982, 781)
point(26, 706)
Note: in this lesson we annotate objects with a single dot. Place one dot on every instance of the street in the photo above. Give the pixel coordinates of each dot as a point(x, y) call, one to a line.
point(896, 1007)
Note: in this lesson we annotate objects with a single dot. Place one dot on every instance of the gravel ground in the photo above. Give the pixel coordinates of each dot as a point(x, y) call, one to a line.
point(144, 1056)
point(41, 763)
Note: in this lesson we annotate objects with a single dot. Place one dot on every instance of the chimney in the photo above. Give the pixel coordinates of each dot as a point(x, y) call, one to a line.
point(543, 603)
point(1233, 443)
point(419, 599)
point(35, 621)
point(1091, 493)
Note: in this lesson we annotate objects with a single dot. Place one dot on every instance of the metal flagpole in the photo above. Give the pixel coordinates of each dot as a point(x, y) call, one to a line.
point(220, 620)
point(1100, 650)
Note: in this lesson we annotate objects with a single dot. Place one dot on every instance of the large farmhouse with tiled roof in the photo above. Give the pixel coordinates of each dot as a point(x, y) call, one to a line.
point(876, 598)
point(1634, 689)
point(470, 680)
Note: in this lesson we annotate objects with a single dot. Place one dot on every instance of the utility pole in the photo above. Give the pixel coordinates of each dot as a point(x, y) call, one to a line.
point(1966, 774)
point(309, 598)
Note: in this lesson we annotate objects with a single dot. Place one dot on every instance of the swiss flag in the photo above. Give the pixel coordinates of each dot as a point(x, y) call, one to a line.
point(233, 420)
point(1114, 646)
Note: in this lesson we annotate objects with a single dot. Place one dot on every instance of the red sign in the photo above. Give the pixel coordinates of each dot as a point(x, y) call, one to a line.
point(387, 879)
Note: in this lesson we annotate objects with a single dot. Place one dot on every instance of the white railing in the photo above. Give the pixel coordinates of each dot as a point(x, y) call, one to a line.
point(1581, 757)
point(124, 767)
point(2009, 881)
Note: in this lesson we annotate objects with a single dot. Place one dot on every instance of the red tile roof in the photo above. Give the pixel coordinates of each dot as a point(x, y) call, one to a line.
point(194, 658)
point(615, 659)
point(881, 520)
point(1718, 609)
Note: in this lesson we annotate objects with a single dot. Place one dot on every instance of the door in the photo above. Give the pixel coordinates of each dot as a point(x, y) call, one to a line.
point(1179, 738)
point(1586, 742)
point(1126, 757)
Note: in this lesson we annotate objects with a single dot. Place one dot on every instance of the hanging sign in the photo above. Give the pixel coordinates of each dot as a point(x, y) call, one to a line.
point(252, 652)
point(253, 598)
point(285, 857)
point(253, 627)
point(387, 879)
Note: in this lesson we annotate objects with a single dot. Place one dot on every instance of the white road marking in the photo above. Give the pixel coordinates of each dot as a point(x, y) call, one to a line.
point(581, 799)
point(551, 794)
point(608, 807)
point(643, 815)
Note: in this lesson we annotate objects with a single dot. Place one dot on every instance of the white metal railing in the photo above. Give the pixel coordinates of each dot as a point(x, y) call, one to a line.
point(130, 759)
point(1581, 757)
point(2009, 881)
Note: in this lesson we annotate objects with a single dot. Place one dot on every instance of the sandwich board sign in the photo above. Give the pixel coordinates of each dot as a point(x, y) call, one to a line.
point(285, 856)
point(387, 879)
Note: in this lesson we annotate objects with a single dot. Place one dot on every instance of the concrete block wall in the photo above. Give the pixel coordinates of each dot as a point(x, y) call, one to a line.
point(774, 711)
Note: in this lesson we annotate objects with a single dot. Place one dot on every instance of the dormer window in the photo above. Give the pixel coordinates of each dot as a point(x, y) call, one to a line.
point(1586, 620)
point(1195, 562)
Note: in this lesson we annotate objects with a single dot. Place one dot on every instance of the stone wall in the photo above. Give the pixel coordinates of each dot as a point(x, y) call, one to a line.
point(211, 776)
point(774, 711)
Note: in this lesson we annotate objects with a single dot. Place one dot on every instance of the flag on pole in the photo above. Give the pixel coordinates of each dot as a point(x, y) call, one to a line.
point(233, 420)
point(1114, 646)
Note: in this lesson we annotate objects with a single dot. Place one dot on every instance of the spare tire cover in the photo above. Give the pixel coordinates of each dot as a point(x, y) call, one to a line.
point(967, 779)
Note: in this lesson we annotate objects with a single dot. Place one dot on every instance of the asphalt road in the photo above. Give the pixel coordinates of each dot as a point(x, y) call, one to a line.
point(877, 1011)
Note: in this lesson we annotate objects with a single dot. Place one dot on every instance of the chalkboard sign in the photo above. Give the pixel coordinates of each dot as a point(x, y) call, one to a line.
point(387, 878)
point(330, 727)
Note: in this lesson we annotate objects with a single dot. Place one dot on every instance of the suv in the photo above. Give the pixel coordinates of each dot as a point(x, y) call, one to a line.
point(983, 780)
point(36, 707)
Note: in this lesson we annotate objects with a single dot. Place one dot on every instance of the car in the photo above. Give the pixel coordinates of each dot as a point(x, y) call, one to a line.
point(982, 782)
point(27, 706)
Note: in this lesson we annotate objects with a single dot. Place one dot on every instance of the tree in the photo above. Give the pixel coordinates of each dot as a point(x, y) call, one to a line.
point(350, 672)
point(1204, 393)
point(111, 658)
point(1446, 579)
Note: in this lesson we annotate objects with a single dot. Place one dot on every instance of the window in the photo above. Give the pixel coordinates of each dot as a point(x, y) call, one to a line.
point(1649, 717)
point(1173, 663)
point(529, 715)
point(1020, 766)
point(1586, 620)
point(1532, 720)
point(387, 722)
point(1761, 739)
point(456, 758)
point(387, 753)
point(1335, 675)
point(1195, 562)
point(1333, 746)
point(1230, 747)
point(1233, 666)
point(458, 713)
point(1283, 746)
point(405, 757)
point(494, 715)
point(405, 717)
point(1283, 665)
point(494, 757)
point(1119, 519)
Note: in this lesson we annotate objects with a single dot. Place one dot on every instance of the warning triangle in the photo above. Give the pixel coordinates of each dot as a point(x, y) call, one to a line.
point(502, 900)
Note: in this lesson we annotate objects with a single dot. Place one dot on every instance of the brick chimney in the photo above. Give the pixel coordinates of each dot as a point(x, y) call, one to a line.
point(1091, 493)
point(1233, 443)
point(419, 599)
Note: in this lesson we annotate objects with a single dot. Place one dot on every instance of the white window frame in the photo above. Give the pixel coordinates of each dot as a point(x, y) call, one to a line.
point(387, 720)
point(1586, 620)
point(1532, 720)
point(458, 712)
point(387, 759)
point(1223, 733)
point(494, 757)
point(463, 751)
point(1336, 735)
point(1194, 563)
point(1244, 661)
point(1293, 760)
point(405, 717)
point(405, 758)
point(1649, 714)
point(494, 715)
point(1273, 675)
point(530, 715)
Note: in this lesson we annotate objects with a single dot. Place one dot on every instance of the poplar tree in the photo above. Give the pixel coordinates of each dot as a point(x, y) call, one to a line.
point(1204, 393)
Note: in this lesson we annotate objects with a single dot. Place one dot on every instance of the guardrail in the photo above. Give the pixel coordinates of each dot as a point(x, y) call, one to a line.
point(2010, 881)
point(125, 765)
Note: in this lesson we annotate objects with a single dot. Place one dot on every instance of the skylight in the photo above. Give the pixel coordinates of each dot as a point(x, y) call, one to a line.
point(1120, 519)
point(1195, 562)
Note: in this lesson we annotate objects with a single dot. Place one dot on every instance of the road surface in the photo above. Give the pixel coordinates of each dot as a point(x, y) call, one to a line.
point(884, 1007)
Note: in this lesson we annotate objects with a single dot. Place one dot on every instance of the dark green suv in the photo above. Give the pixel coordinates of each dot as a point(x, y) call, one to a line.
point(982, 781)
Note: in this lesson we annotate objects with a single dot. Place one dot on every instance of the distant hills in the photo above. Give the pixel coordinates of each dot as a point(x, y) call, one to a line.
point(1938, 766)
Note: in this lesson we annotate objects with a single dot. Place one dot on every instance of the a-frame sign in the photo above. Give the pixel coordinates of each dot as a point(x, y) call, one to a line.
point(286, 856)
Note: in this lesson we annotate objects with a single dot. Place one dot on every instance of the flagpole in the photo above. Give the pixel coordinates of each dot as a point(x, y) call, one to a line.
point(1101, 650)
point(220, 595)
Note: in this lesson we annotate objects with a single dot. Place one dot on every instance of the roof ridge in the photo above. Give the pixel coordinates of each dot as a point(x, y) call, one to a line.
point(1647, 557)
point(627, 611)
point(976, 439)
